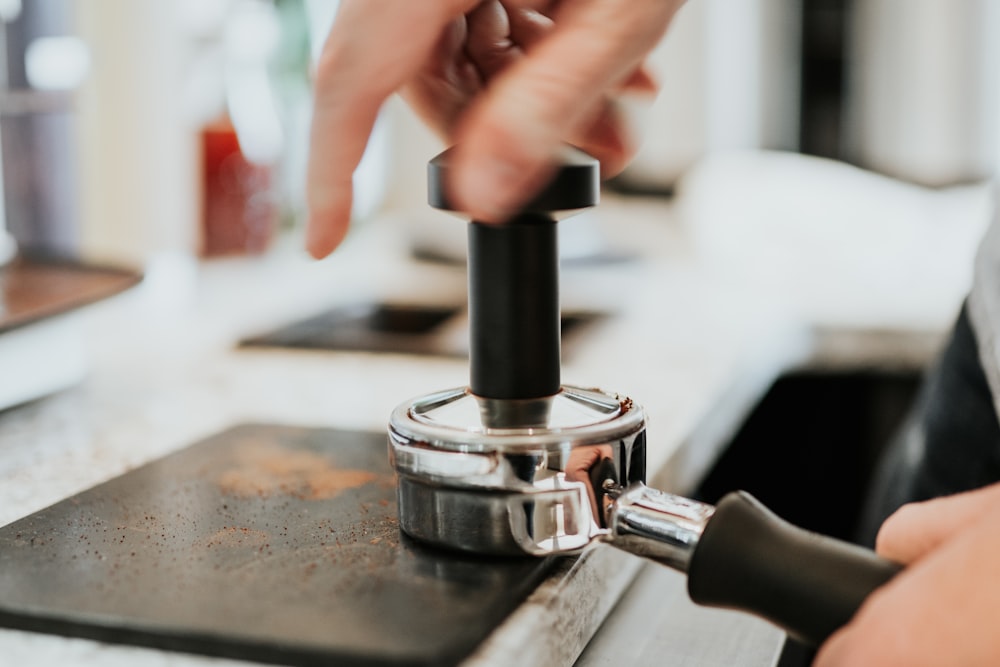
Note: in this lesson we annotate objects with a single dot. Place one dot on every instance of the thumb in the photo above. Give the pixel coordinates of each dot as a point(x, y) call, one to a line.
point(918, 528)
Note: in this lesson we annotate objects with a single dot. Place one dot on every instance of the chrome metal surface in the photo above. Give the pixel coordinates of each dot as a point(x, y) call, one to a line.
point(568, 471)
point(457, 420)
point(526, 413)
point(468, 484)
point(657, 525)
point(537, 522)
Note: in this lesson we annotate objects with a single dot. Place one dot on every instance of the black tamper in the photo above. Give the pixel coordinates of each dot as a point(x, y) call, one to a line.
point(514, 283)
point(519, 464)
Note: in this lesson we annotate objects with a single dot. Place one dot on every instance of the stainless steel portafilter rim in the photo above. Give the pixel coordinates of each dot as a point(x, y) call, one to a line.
point(610, 416)
point(512, 491)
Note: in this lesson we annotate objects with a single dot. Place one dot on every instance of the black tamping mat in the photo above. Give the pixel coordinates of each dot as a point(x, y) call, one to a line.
point(367, 327)
point(267, 543)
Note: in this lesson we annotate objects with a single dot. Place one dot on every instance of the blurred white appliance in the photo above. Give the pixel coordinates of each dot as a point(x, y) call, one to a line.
point(924, 89)
point(729, 77)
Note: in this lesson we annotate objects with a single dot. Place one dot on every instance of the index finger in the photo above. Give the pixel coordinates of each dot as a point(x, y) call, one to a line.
point(373, 48)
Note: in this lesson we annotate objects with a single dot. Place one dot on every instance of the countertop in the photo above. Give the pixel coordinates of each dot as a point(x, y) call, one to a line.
point(703, 322)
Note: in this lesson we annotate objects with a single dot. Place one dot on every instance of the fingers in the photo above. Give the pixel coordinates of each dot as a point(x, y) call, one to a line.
point(918, 528)
point(539, 6)
point(940, 610)
point(490, 45)
point(641, 81)
point(506, 140)
point(497, 36)
point(878, 642)
point(354, 76)
point(840, 650)
point(442, 54)
point(527, 26)
point(442, 88)
point(605, 134)
point(472, 50)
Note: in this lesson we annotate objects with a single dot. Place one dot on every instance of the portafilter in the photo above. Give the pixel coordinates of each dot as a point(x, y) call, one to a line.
point(519, 464)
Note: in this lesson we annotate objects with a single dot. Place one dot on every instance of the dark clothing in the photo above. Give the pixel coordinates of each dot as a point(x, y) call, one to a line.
point(949, 443)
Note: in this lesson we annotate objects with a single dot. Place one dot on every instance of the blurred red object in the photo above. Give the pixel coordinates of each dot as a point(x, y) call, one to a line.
point(239, 215)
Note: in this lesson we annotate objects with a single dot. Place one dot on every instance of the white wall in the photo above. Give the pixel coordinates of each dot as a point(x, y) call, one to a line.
point(138, 155)
point(925, 97)
point(729, 79)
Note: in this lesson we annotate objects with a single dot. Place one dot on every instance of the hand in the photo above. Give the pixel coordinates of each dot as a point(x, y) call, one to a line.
point(507, 81)
point(940, 610)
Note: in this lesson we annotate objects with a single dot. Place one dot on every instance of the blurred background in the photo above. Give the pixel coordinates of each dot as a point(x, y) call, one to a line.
point(141, 127)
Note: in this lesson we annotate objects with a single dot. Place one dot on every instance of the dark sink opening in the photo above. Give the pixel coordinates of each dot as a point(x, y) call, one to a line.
point(809, 448)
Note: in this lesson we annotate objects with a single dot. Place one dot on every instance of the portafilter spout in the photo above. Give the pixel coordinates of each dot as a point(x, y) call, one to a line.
point(519, 464)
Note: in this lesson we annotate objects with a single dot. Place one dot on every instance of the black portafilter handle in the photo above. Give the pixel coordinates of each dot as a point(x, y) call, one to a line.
point(808, 584)
point(514, 341)
point(740, 555)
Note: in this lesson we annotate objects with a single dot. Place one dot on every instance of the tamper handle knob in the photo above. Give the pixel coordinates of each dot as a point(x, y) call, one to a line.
point(576, 183)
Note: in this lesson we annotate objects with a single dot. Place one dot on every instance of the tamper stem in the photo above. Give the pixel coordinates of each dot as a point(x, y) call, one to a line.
point(514, 308)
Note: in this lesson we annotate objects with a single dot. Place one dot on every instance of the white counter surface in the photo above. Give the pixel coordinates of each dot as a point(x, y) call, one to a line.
point(699, 333)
